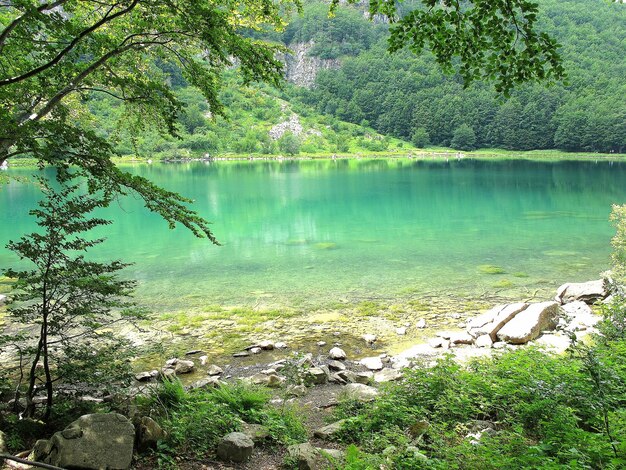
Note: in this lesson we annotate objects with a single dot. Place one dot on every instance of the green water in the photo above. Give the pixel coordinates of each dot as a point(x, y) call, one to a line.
point(317, 232)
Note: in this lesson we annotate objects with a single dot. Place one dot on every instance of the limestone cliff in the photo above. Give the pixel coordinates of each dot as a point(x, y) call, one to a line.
point(302, 68)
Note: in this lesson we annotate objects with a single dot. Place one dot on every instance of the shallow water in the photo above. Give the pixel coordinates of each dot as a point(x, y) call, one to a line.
point(317, 232)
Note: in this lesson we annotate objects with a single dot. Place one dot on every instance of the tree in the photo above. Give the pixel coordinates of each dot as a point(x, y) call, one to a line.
point(420, 138)
point(289, 143)
point(65, 303)
point(56, 54)
point(464, 138)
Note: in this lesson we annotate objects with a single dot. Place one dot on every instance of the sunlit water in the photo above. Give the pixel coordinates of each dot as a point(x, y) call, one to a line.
point(316, 232)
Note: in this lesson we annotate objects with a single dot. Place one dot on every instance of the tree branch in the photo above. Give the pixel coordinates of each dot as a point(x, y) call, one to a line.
point(6, 31)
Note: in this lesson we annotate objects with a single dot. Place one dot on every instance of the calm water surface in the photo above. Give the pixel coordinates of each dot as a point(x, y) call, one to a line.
point(314, 232)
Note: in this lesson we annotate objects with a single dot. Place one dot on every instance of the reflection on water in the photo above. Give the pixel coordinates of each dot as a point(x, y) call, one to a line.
point(315, 231)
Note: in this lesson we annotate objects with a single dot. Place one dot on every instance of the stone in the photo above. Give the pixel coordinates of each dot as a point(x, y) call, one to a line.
point(421, 323)
point(306, 360)
point(483, 341)
point(235, 447)
point(93, 442)
point(166, 374)
point(372, 363)
point(143, 376)
point(435, 342)
point(214, 370)
point(241, 354)
point(461, 338)
point(206, 383)
point(329, 431)
point(259, 379)
point(3, 443)
point(3, 299)
point(337, 354)
point(257, 432)
point(203, 360)
point(387, 375)
point(494, 319)
point(147, 433)
point(184, 367)
point(267, 345)
point(530, 322)
point(268, 371)
point(580, 315)
point(193, 352)
point(589, 292)
point(280, 345)
point(321, 343)
point(296, 390)
point(364, 377)
point(256, 350)
point(347, 376)
point(555, 343)
point(336, 365)
point(360, 392)
point(307, 457)
point(418, 429)
point(337, 379)
point(316, 376)
point(370, 339)
point(41, 449)
point(275, 381)
point(416, 454)
point(401, 331)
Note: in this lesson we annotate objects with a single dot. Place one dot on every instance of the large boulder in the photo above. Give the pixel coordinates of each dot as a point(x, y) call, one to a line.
point(589, 292)
point(93, 442)
point(372, 363)
point(235, 447)
point(530, 322)
point(360, 392)
point(490, 322)
point(329, 431)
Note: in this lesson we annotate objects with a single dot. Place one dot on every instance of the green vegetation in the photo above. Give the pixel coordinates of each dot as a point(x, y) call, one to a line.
point(490, 269)
point(64, 305)
point(195, 420)
point(410, 98)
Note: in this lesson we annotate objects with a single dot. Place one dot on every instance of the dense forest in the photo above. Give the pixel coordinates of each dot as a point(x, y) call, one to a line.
point(410, 97)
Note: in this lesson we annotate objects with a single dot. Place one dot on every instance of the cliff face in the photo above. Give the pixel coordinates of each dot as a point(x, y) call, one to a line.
point(301, 68)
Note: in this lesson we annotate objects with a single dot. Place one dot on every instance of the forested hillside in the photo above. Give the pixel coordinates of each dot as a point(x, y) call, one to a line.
point(368, 100)
point(409, 97)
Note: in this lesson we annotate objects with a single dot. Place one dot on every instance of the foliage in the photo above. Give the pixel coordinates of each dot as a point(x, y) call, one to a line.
point(618, 217)
point(64, 304)
point(400, 93)
point(289, 143)
point(195, 420)
point(463, 138)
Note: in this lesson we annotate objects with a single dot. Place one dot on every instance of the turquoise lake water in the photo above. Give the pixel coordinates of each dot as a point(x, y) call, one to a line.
point(316, 232)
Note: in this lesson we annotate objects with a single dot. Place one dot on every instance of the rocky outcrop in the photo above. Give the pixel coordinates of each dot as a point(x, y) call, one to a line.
point(493, 320)
point(302, 68)
point(588, 292)
point(292, 125)
point(530, 322)
point(93, 442)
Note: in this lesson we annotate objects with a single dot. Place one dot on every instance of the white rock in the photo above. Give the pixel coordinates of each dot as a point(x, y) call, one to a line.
point(387, 375)
point(267, 345)
point(421, 323)
point(360, 392)
point(401, 331)
point(530, 322)
point(214, 370)
point(337, 354)
point(588, 292)
point(483, 341)
point(3, 299)
point(256, 350)
point(321, 343)
point(369, 339)
point(184, 367)
point(280, 345)
point(372, 363)
point(494, 319)
point(203, 360)
point(461, 338)
point(555, 343)
point(435, 342)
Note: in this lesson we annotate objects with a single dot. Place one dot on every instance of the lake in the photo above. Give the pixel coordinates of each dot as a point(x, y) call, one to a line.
point(298, 233)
